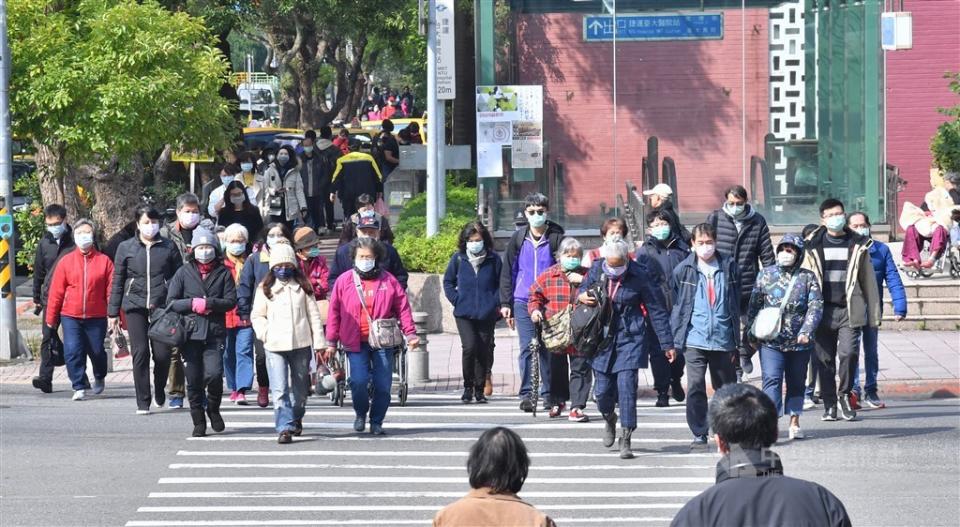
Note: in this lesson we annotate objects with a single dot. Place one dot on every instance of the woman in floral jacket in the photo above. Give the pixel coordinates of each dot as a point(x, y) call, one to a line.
point(785, 357)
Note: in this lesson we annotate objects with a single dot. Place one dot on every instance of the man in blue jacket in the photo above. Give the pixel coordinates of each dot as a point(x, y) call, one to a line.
point(886, 271)
point(706, 323)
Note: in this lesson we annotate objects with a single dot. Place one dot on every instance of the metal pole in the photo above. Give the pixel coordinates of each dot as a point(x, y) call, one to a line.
point(9, 334)
point(441, 134)
point(433, 223)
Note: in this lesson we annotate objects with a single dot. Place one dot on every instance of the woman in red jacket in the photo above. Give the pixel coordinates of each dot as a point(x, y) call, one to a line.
point(79, 291)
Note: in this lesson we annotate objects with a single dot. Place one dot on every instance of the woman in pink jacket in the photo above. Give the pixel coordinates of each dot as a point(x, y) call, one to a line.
point(349, 321)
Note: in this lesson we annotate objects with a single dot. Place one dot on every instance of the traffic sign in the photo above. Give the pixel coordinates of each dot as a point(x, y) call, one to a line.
point(678, 26)
point(193, 156)
point(6, 226)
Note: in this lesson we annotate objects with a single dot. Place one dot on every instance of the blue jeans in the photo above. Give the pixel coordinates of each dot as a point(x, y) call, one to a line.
point(527, 332)
point(365, 365)
point(618, 387)
point(871, 361)
point(83, 338)
point(238, 359)
point(286, 409)
point(777, 367)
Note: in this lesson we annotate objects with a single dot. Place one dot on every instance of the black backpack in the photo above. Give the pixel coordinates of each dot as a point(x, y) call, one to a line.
point(591, 324)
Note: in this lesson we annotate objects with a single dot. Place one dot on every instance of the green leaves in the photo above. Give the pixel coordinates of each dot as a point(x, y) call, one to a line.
point(945, 145)
point(430, 255)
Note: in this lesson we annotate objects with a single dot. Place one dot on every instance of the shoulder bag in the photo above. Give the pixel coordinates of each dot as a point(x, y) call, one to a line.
point(766, 326)
point(557, 332)
point(385, 333)
point(170, 328)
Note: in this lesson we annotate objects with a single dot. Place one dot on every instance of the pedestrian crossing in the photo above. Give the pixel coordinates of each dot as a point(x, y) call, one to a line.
point(334, 476)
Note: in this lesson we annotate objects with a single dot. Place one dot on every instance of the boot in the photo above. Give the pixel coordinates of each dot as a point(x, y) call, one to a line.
point(199, 422)
point(213, 411)
point(610, 429)
point(625, 452)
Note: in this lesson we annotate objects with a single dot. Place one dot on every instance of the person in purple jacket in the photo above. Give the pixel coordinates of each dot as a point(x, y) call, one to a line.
point(530, 252)
point(886, 269)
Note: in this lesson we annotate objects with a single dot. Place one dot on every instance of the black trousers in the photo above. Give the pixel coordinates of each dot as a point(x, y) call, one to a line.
point(320, 209)
point(476, 337)
point(665, 373)
point(838, 351)
point(203, 366)
point(349, 204)
point(260, 362)
point(722, 372)
point(140, 349)
point(570, 379)
point(51, 348)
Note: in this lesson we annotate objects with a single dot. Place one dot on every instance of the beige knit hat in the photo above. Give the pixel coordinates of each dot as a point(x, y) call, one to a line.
point(282, 254)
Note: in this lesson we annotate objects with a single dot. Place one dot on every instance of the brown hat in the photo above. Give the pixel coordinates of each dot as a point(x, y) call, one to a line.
point(305, 238)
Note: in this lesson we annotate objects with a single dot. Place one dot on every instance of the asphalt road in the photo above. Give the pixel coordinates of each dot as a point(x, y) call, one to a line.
point(95, 463)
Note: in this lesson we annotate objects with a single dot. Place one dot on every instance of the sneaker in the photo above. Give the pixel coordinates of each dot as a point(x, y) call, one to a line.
point(467, 396)
point(143, 412)
point(376, 430)
point(577, 416)
point(873, 401)
point(359, 424)
point(676, 389)
point(233, 396)
point(285, 438)
point(557, 410)
point(176, 402)
point(829, 414)
point(241, 399)
point(746, 365)
point(78, 395)
point(526, 405)
point(263, 397)
point(663, 401)
point(808, 403)
point(481, 398)
point(44, 385)
point(699, 442)
point(160, 398)
point(322, 231)
point(847, 413)
point(98, 386)
point(796, 432)
point(855, 400)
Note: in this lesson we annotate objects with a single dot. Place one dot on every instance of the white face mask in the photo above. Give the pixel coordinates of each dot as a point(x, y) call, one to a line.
point(204, 253)
point(149, 230)
point(786, 259)
point(189, 220)
point(84, 240)
point(705, 252)
point(236, 200)
point(364, 266)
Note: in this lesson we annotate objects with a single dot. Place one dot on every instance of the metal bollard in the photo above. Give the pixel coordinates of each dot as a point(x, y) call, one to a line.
point(419, 360)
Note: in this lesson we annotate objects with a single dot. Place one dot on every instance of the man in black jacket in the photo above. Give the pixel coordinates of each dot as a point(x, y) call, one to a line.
point(57, 241)
point(369, 227)
point(319, 160)
point(751, 488)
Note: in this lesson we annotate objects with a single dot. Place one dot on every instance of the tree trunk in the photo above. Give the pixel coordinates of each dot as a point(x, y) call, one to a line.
point(49, 172)
point(290, 101)
point(118, 187)
point(307, 78)
point(162, 166)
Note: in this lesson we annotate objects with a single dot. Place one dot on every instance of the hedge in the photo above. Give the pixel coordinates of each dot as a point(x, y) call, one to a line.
point(430, 255)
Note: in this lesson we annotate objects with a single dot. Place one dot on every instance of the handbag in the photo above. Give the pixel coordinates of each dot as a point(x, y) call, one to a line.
point(591, 324)
point(767, 324)
point(557, 332)
point(170, 328)
point(384, 332)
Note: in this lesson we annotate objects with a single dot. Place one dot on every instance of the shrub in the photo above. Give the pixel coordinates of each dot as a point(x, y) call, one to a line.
point(28, 221)
point(430, 255)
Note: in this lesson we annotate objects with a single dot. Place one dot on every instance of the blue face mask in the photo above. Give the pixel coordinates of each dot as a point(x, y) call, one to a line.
point(836, 223)
point(226, 180)
point(56, 230)
point(537, 220)
point(570, 263)
point(614, 272)
point(368, 213)
point(734, 210)
point(246, 167)
point(313, 252)
point(660, 232)
point(475, 247)
point(364, 266)
point(283, 273)
point(236, 249)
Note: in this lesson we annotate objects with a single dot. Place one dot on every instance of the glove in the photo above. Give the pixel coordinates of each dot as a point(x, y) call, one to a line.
point(37, 309)
point(199, 306)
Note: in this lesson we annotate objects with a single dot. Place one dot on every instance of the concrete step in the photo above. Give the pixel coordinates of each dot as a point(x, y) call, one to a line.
point(927, 322)
point(927, 306)
point(949, 289)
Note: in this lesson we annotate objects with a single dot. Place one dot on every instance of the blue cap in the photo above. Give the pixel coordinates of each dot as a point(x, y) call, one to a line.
point(792, 239)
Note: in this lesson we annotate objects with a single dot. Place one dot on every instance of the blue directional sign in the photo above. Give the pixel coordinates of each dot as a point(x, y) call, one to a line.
point(677, 26)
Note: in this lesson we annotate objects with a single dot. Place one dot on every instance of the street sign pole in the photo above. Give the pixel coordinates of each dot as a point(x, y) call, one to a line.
point(433, 141)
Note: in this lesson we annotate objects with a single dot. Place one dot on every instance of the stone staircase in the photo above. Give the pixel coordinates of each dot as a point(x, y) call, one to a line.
point(932, 304)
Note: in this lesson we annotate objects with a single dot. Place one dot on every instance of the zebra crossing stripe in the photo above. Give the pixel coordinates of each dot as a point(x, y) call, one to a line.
point(457, 468)
point(390, 508)
point(421, 479)
point(424, 494)
point(412, 453)
point(301, 439)
point(459, 426)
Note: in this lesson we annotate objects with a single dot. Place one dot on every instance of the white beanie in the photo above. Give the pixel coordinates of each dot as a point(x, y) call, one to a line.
point(282, 254)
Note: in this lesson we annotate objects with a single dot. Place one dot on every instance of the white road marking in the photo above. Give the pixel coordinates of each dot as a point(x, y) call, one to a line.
point(418, 479)
point(412, 453)
point(424, 494)
point(425, 439)
point(457, 468)
point(458, 426)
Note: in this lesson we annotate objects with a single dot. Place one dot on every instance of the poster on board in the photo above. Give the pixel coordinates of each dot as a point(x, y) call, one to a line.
point(509, 116)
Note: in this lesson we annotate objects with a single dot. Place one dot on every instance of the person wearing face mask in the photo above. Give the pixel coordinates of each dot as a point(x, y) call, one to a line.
point(238, 349)
point(472, 283)
point(365, 209)
point(203, 291)
point(661, 199)
point(53, 245)
point(368, 227)
point(628, 285)
point(356, 173)
point(706, 323)
point(552, 292)
point(79, 290)
point(840, 259)
point(662, 252)
point(219, 200)
point(318, 161)
point(367, 293)
point(142, 268)
point(312, 264)
point(286, 202)
point(784, 357)
point(255, 268)
point(286, 319)
point(612, 230)
point(267, 156)
point(743, 235)
point(240, 209)
point(886, 271)
point(530, 251)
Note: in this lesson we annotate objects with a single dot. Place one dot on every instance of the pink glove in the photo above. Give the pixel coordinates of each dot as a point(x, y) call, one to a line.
point(199, 306)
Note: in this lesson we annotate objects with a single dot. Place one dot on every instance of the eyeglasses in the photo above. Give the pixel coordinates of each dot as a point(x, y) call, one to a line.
point(538, 212)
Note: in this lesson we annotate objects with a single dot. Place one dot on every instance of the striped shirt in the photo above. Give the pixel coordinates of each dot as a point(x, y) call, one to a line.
point(836, 257)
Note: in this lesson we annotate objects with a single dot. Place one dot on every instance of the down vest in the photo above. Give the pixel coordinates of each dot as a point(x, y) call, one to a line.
point(746, 246)
point(141, 274)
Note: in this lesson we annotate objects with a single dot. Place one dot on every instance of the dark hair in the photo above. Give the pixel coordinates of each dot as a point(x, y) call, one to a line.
point(614, 222)
point(311, 135)
point(743, 415)
point(298, 276)
point(830, 203)
point(266, 151)
point(405, 134)
point(363, 200)
point(808, 230)
point(536, 199)
point(230, 168)
point(414, 127)
point(474, 227)
point(187, 198)
point(287, 233)
point(738, 192)
point(706, 229)
point(326, 132)
point(498, 460)
point(245, 156)
point(237, 184)
point(290, 152)
point(658, 215)
point(55, 209)
point(865, 217)
point(146, 210)
point(368, 243)
point(387, 125)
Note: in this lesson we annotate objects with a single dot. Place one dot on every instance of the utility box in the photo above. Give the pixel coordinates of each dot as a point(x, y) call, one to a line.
point(896, 30)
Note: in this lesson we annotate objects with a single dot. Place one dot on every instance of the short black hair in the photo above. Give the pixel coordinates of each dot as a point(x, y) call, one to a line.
point(738, 192)
point(387, 125)
point(368, 243)
point(743, 415)
point(865, 217)
point(284, 229)
point(404, 134)
point(326, 132)
point(146, 210)
point(311, 135)
point(498, 460)
point(55, 209)
point(659, 214)
point(536, 199)
point(830, 203)
point(475, 227)
point(706, 229)
point(363, 200)
point(188, 198)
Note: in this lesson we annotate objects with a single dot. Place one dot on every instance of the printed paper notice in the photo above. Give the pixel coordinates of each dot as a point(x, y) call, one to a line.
point(489, 160)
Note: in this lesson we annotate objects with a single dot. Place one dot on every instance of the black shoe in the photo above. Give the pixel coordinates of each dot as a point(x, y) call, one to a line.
point(160, 398)
point(816, 399)
point(847, 413)
point(829, 414)
point(199, 430)
point(42, 384)
point(298, 427)
point(526, 405)
point(676, 389)
point(285, 438)
point(609, 429)
point(663, 401)
point(216, 421)
point(746, 365)
point(467, 396)
point(873, 401)
point(481, 398)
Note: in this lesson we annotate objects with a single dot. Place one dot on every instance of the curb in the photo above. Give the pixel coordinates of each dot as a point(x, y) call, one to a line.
point(905, 389)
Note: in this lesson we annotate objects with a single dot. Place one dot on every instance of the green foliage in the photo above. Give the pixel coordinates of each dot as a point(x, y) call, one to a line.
point(945, 144)
point(28, 221)
point(430, 255)
point(112, 77)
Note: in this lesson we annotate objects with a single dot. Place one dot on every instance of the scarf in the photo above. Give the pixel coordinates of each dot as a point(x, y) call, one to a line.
point(238, 262)
point(205, 268)
point(476, 260)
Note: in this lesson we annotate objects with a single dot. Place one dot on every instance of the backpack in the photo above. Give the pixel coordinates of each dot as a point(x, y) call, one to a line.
point(590, 324)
